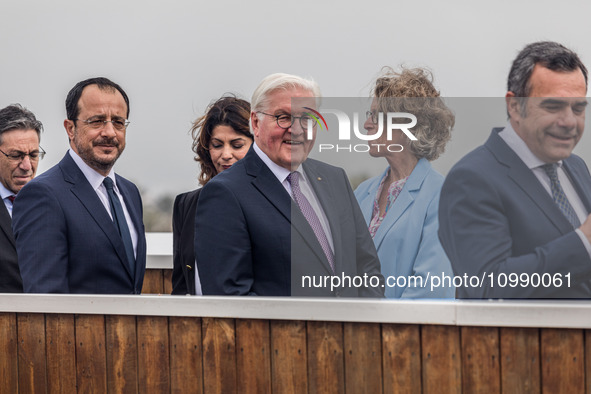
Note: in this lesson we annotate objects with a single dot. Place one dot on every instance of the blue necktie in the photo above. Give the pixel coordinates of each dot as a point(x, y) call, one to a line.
point(119, 219)
point(559, 196)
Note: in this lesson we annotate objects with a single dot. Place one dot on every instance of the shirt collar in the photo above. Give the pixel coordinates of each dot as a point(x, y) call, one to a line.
point(4, 192)
point(515, 142)
point(279, 172)
point(92, 176)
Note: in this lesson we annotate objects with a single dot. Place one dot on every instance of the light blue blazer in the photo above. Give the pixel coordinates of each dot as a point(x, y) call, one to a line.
point(407, 241)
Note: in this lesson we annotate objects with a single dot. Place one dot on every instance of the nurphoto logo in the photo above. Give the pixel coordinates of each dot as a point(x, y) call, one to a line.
point(393, 122)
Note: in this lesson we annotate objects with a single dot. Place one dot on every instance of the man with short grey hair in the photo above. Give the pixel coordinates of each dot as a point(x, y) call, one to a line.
point(514, 213)
point(20, 153)
point(277, 223)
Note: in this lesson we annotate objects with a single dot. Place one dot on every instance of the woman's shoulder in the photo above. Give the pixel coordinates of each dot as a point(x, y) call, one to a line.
point(186, 200)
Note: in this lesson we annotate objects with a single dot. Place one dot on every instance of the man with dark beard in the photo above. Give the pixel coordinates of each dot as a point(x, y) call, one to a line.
point(78, 226)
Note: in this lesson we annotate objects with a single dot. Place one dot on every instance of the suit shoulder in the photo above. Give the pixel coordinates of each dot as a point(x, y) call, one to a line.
point(575, 160)
point(368, 184)
point(323, 167)
point(187, 199)
point(125, 181)
point(479, 160)
point(49, 180)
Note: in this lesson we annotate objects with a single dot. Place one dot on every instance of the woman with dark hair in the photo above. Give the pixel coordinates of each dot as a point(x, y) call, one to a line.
point(220, 138)
point(401, 205)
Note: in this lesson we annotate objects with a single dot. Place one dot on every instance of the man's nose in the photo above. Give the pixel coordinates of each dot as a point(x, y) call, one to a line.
point(25, 163)
point(568, 119)
point(109, 129)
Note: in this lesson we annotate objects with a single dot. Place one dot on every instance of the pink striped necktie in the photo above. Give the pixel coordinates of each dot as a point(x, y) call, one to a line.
point(311, 217)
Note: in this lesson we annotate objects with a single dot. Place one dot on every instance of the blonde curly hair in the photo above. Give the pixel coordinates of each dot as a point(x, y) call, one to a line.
point(412, 91)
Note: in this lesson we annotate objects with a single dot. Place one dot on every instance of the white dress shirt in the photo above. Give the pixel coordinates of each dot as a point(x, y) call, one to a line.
point(96, 182)
point(282, 174)
point(510, 136)
point(4, 194)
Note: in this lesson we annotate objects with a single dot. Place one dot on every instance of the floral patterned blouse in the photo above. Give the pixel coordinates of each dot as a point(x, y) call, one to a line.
point(393, 192)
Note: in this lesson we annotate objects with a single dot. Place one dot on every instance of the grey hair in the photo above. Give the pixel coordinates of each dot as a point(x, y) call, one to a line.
point(16, 117)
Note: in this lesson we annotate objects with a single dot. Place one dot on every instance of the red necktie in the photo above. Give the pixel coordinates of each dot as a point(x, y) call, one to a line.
point(11, 198)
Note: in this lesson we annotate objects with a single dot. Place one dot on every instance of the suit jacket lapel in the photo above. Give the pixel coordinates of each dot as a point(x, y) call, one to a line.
point(525, 179)
point(88, 198)
point(136, 218)
point(6, 223)
point(404, 200)
point(266, 182)
point(324, 192)
point(583, 188)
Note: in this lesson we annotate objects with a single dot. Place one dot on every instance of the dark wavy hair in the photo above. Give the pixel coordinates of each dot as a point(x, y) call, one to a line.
point(227, 111)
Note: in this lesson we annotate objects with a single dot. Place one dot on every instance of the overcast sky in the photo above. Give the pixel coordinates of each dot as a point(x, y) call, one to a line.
point(174, 57)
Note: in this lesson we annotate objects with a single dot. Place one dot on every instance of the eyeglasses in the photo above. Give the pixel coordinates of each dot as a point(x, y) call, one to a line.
point(17, 157)
point(286, 121)
point(118, 124)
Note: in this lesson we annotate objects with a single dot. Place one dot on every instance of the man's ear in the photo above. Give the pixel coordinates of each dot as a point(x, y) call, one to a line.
point(254, 122)
point(69, 126)
point(513, 105)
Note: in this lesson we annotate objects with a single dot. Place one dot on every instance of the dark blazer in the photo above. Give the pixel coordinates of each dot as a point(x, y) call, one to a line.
point(10, 277)
point(496, 217)
point(183, 242)
point(66, 240)
point(253, 241)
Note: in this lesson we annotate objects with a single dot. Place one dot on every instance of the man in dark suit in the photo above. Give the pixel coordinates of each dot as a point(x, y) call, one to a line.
point(516, 209)
point(252, 238)
point(78, 226)
point(20, 153)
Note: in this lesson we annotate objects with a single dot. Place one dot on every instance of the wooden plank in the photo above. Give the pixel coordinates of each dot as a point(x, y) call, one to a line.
point(441, 359)
point(31, 353)
point(186, 355)
point(520, 360)
point(326, 367)
point(167, 281)
point(289, 369)
point(480, 360)
point(153, 355)
point(563, 362)
point(219, 356)
point(9, 359)
point(153, 282)
point(91, 360)
point(253, 356)
point(401, 355)
point(122, 354)
point(588, 361)
point(363, 357)
point(61, 353)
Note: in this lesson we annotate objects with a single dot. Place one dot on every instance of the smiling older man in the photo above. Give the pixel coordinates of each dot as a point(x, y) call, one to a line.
point(276, 217)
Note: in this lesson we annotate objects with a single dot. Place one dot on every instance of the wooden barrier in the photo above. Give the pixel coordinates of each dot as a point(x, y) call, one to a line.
point(98, 352)
point(148, 354)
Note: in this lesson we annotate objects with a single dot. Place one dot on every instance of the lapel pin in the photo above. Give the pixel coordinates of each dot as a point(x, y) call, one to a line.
point(319, 178)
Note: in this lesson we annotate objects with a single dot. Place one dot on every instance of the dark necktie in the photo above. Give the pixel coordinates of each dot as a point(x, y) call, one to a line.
point(11, 198)
point(310, 216)
point(119, 219)
point(559, 196)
